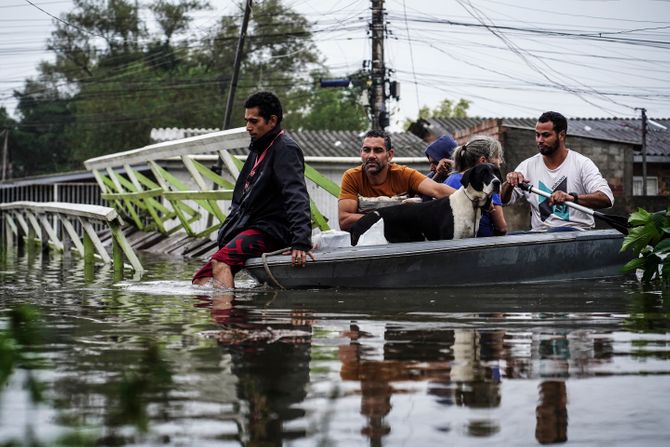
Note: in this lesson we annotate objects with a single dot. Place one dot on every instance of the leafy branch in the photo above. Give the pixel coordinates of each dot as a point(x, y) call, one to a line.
point(649, 239)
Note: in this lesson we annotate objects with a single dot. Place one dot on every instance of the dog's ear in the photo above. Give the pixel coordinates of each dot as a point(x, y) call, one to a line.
point(465, 180)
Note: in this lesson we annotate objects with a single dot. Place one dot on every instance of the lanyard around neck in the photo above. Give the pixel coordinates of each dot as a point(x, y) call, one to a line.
point(259, 160)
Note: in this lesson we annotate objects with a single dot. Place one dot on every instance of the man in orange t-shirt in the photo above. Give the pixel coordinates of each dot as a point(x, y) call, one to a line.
point(377, 177)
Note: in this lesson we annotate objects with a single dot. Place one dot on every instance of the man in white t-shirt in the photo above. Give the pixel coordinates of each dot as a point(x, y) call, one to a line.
point(567, 175)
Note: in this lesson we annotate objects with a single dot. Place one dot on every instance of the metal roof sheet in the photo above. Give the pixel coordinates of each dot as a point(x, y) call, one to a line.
point(316, 143)
point(622, 130)
point(341, 143)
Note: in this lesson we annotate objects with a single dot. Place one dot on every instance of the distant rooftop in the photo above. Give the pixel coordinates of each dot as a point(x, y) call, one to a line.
point(315, 143)
point(341, 143)
point(622, 130)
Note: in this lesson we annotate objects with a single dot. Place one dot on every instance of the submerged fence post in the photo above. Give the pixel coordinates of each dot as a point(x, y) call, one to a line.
point(65, 236)
point(117, 259)
point(89, 250)
point(124, 247)
point(21, 231)
point(31, 236)
point(5, 237)
point(44, 240)
point(9, 229)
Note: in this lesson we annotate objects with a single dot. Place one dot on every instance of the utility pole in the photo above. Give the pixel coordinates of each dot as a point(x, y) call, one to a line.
point(236, 66)
point(380, 117)
point(233, 87)
point(644, 150)
point(4, 155)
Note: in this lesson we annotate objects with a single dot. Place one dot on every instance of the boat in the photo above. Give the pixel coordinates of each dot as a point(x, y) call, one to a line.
point(512, 259)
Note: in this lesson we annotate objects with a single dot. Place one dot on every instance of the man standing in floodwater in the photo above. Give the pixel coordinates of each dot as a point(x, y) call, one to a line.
point(270, 205)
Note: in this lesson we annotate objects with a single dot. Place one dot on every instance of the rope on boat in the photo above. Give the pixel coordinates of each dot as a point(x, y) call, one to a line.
point(267, 268)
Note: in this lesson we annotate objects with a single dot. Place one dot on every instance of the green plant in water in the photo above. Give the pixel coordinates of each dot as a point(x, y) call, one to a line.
point(649, 239)
point(16, 344)
point(19, 342)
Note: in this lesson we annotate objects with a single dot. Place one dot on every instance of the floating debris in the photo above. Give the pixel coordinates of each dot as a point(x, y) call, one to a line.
point(236, 336)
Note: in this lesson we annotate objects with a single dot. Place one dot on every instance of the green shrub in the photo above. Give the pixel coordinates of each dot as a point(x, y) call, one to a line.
point(649, 239)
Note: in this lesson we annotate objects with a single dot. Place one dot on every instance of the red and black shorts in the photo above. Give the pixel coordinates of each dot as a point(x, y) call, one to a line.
point(247, 244)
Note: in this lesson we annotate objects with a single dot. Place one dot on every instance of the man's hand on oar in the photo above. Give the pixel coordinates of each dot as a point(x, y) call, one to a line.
point(619, 223)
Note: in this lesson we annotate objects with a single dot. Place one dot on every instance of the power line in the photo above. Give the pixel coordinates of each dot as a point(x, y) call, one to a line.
point(497, 85)
point(122, 70)
point(63, 21)
point(638, 73)
point(481, 17)
point(419, 25)
point(567, 14)
point(597, 36)
point(19, 5)
point(411, 54)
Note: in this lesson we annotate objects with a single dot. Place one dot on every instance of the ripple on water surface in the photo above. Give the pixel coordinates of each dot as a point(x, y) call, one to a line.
point(156, 360)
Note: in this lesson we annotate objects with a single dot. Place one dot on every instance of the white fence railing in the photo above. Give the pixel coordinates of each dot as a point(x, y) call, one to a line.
point(54, 224)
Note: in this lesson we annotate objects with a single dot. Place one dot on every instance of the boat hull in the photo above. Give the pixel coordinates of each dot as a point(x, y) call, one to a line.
point(513, 259)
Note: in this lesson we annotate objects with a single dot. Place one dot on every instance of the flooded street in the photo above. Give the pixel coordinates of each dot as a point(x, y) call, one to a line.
point(89, 359)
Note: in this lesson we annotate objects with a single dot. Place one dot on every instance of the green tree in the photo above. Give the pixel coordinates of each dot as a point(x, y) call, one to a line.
point(96, 33)
point(112, 80)
point(317, 108)
point(116, 80)
point(118, 70)
point(174, 18)
point(278, 51)
point(7, 124)
point(446, 109)
point(39, 144)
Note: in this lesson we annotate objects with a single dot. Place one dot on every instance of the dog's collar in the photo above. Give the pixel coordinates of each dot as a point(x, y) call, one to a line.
point(475, 205)
point(474, 201)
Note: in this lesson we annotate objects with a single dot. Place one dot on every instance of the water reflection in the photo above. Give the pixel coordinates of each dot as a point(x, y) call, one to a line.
point(552, 413)
point(157, 362)
point(271, 362)
point(464, 367)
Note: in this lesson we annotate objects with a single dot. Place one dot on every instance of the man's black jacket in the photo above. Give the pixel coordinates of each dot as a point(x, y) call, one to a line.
point(276, 201)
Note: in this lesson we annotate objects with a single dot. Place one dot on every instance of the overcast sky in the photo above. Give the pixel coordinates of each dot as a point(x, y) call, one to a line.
point(510, 58)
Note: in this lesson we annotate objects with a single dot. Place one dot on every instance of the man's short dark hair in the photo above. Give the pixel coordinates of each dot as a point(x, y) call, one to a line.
point(377, 133)
point(268, 104)
point(558, 120)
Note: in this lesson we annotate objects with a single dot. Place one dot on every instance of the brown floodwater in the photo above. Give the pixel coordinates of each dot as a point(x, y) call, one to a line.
point(90, 359)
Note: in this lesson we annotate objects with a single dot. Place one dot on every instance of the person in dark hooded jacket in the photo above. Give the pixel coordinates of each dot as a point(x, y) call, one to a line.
point(439, 154)
point(270, 205)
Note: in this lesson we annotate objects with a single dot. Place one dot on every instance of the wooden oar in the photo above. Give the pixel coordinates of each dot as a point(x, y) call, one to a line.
point(619, 223)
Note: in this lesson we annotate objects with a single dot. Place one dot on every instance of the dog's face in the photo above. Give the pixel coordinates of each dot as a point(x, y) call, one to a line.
point(482, 181)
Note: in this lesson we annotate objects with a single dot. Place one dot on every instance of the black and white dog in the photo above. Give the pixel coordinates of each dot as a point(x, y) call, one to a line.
point(453, 217)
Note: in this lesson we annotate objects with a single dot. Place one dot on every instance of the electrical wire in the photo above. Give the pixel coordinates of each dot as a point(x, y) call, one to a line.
point(411, 54)
point(330, 28)
point(481, 17)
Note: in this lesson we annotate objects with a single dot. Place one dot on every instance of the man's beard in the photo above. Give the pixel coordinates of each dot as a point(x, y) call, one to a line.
point(548, 150)
point(373, 167)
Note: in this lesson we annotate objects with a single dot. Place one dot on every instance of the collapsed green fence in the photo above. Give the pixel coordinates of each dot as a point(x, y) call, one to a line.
point(174, 185)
